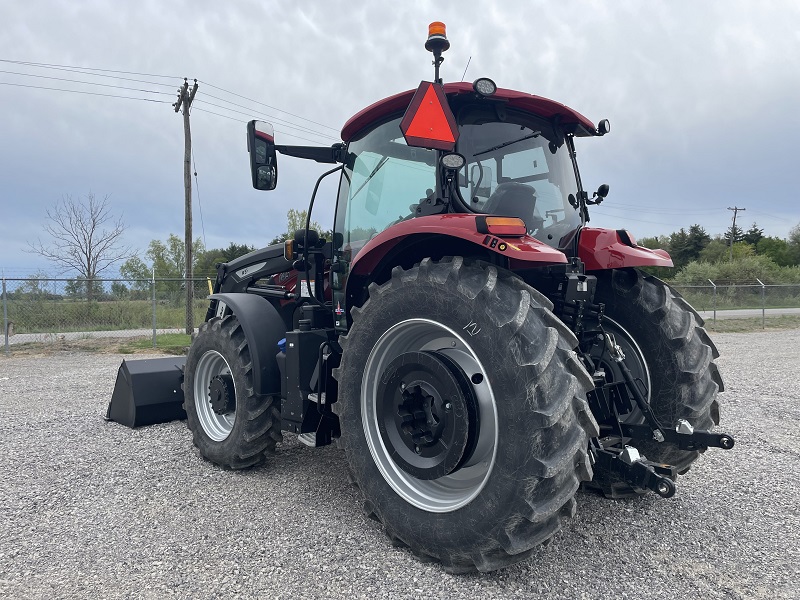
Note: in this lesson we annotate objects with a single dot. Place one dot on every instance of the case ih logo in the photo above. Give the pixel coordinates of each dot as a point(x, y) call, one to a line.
point(339, 310)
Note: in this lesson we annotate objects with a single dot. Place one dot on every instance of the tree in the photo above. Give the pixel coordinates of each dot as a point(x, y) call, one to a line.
point(794, 245)
point(85, 237)
point(697, 240)
point(654, 243)
point(685, 247)
point(753, 235)
point(718, 251)
point(733, 231)
point(296, 219)
point(205, 263)
point(775, 248)
point(167, 261)
point(34, 287)
point(81, 288)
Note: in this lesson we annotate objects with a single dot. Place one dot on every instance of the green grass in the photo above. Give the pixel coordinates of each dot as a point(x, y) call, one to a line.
point(753, 324)
point(168, 343)
point(63, 315)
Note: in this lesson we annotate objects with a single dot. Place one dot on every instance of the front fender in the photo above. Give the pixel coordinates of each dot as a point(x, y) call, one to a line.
point(601, 249)
point(264, 328)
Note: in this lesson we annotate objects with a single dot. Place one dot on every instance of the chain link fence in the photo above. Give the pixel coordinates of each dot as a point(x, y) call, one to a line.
point(52, 310)
point(713, 297)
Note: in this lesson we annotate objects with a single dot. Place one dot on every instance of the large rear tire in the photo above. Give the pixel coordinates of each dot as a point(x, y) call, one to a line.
point(464, 415)
point(231, 425)
point(669, 351)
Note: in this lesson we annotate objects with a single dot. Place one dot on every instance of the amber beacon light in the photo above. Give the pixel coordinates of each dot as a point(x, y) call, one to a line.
point(437, 37)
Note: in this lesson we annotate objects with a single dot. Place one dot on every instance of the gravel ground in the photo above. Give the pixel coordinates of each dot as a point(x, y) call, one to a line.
point(94, 509)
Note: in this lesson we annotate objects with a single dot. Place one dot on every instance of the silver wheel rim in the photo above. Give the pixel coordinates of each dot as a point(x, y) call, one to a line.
point(217, 427)
point(634, 359)
point(459, 488)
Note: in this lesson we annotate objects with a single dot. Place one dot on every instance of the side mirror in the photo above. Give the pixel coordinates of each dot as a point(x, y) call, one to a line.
point(602, 191)
point(263, 158)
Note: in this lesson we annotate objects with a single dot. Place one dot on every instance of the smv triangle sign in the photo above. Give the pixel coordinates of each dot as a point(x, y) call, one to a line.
point(429, 122)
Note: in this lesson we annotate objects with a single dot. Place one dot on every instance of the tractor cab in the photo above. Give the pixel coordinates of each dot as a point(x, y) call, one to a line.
point(506, 161)
point(427, 173)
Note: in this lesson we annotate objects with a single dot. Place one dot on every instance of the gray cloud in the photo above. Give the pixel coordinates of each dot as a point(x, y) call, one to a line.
point(702, 97)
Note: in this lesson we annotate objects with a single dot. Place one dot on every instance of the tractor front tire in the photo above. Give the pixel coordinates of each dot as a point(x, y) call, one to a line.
point(463, 413)
point(669, 351)
point(231, 425)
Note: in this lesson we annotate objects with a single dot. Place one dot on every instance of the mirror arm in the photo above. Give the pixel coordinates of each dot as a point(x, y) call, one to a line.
point(321, 154)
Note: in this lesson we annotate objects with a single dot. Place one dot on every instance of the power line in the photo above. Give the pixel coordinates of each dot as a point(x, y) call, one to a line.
point(294, 135)
point(77, 70)
point(55, 66)
point(199, 205)
point(610, 204)
point(269, 106)
point(276, 119)
point(40, 87)
point(758, 212)
point(205, 110)
point(250, 113)
point(120, 87)
point(99, 72)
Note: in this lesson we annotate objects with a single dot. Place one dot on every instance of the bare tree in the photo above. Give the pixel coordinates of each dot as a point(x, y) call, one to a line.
point(85, 237)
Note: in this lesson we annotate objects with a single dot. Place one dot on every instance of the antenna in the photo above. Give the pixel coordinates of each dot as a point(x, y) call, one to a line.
point(465, 68)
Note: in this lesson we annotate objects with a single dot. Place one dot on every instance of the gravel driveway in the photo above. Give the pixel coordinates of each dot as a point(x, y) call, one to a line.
point(94, 509)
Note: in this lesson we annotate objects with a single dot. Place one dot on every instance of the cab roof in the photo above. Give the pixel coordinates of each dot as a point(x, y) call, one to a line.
point(520, 100)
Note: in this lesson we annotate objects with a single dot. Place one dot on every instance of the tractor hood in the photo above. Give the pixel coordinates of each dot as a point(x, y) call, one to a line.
point(527, 102)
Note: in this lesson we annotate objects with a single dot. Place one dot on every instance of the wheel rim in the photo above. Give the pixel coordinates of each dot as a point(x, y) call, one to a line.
point(456, 489)
point(216, 426)
point(635, 361)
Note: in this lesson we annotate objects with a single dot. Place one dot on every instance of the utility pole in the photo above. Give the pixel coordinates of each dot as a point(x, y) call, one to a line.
point(185, 98)
point(735, 210)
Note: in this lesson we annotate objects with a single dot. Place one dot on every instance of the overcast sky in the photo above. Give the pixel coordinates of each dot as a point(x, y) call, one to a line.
point(703, 99)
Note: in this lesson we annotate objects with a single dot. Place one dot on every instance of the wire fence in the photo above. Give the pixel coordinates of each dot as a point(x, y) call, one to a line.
point(713, 297)
point(52, 310)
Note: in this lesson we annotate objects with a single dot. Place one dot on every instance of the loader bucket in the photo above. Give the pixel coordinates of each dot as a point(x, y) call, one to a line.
point(148, 391)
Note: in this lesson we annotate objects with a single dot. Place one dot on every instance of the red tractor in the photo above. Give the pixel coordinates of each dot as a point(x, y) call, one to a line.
point(476, 349)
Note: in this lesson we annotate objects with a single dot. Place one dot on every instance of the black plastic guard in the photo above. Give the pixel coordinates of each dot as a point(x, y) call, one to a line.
point(263, 327)
point(148, 391)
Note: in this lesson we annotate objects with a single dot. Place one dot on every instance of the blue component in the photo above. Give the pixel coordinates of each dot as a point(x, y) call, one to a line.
point(282, 345)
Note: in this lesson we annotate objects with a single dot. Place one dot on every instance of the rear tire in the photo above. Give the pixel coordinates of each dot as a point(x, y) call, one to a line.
point(666, 347)
point(231, 425)
point(526, 433)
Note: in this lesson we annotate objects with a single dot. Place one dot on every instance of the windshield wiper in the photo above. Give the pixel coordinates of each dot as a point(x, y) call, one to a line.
point(377, 168)
point(504, 144)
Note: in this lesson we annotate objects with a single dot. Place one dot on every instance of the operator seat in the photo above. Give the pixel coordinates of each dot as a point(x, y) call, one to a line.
point(512, 199)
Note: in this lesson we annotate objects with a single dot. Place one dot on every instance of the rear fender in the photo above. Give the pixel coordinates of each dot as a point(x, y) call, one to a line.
point(518, 252)
point(264, 328)
point(601, 249)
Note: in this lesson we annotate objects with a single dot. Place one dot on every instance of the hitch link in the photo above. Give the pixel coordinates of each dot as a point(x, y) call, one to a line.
point(637, 471)
point(684, 436)
point(656, 430)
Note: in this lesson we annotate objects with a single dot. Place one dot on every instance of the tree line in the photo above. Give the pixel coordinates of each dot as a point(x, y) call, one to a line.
point(736, 256)
point(86, 239)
